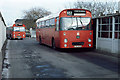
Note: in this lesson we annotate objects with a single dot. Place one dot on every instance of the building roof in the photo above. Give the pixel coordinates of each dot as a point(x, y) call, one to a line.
point(29, 23)
point(109, 15)
point(2, 19)
point(20, 20)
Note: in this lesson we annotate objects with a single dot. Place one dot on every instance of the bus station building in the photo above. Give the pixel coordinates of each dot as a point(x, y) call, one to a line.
point(107, 33)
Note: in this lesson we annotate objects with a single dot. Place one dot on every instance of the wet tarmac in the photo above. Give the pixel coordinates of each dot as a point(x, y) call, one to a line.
point(27, 59)
point(40, 68)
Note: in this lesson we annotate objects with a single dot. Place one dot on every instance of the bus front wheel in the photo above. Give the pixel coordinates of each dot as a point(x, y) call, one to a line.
point(11, 37)
point(53, 44)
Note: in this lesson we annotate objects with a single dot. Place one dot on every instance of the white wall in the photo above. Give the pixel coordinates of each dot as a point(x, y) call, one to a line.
point(108, 45)
point(33, 32)
point(116, 45)
point(2, 33)
point(104, 44)
point(119, 46)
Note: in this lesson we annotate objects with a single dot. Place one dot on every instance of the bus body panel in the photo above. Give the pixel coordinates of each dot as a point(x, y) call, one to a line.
point(71, 36)
point(37, 34)
point(47, 37)
point(57, 39)
point(18, 34)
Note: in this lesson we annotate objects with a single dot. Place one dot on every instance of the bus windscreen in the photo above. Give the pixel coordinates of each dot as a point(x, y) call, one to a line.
point(21, 29)
point(75, 23)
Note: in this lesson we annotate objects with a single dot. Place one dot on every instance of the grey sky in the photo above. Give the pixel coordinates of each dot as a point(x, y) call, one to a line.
point(13, 9)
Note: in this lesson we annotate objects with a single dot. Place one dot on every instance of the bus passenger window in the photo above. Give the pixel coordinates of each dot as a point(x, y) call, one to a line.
point(52, 22)
point(47, 23)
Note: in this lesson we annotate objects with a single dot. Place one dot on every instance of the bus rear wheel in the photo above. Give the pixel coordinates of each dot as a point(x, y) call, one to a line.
point(53, 44)
point(40, 41)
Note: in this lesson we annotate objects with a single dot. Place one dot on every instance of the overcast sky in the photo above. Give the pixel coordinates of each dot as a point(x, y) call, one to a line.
point(13, 9)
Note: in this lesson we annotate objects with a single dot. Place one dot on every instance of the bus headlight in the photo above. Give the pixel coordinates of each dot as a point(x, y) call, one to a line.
point(89, 40)
point(14, 35)
point(65, 45)
point(90, 33)
point(65, 40)
point(23, 35)
point(89, 45)
point(64, 33)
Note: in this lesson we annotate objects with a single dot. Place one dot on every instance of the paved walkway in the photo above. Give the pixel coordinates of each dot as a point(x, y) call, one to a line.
point(0, 64)
point(2, 52)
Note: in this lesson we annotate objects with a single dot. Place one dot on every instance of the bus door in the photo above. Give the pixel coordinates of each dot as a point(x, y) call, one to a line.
point(57, 38)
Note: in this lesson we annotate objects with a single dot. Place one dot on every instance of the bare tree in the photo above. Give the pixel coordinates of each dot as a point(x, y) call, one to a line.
point(97, 8)
point(35, 13)
point(31, 15)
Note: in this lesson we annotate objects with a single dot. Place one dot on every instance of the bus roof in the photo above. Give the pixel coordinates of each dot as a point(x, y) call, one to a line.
point(14, 25)
point(19, 25)
point(47, 17)
point(56, 15)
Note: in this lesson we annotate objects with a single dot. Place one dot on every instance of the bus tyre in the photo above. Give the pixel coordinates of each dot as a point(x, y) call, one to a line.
point(40, 41)
point(53, 44)
point(10, 38)
point(7, 36)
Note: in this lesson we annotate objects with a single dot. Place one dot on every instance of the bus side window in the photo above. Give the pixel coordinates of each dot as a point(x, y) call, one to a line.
point(47, 23)
point(42, 24)
point(57, 24)
point(39, 25)
point(50, 25)
point(52, 22)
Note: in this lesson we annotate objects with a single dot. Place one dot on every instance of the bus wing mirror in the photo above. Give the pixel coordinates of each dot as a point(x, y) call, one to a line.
point(92, 21)
point(55, 20)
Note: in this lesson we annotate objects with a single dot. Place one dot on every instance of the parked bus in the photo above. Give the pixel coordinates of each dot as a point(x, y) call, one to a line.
point(71, 28)
point(17, 31)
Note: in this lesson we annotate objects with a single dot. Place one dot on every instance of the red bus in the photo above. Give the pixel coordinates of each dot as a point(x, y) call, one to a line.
point(17, 31)
point(71, 28)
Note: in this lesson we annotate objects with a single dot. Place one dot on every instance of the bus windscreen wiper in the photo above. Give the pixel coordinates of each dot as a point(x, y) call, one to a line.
point(81, 22)
point(70, 28)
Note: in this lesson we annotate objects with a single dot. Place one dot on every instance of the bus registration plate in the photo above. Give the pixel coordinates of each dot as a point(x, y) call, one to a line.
point(19, 36)
point(78, 46)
